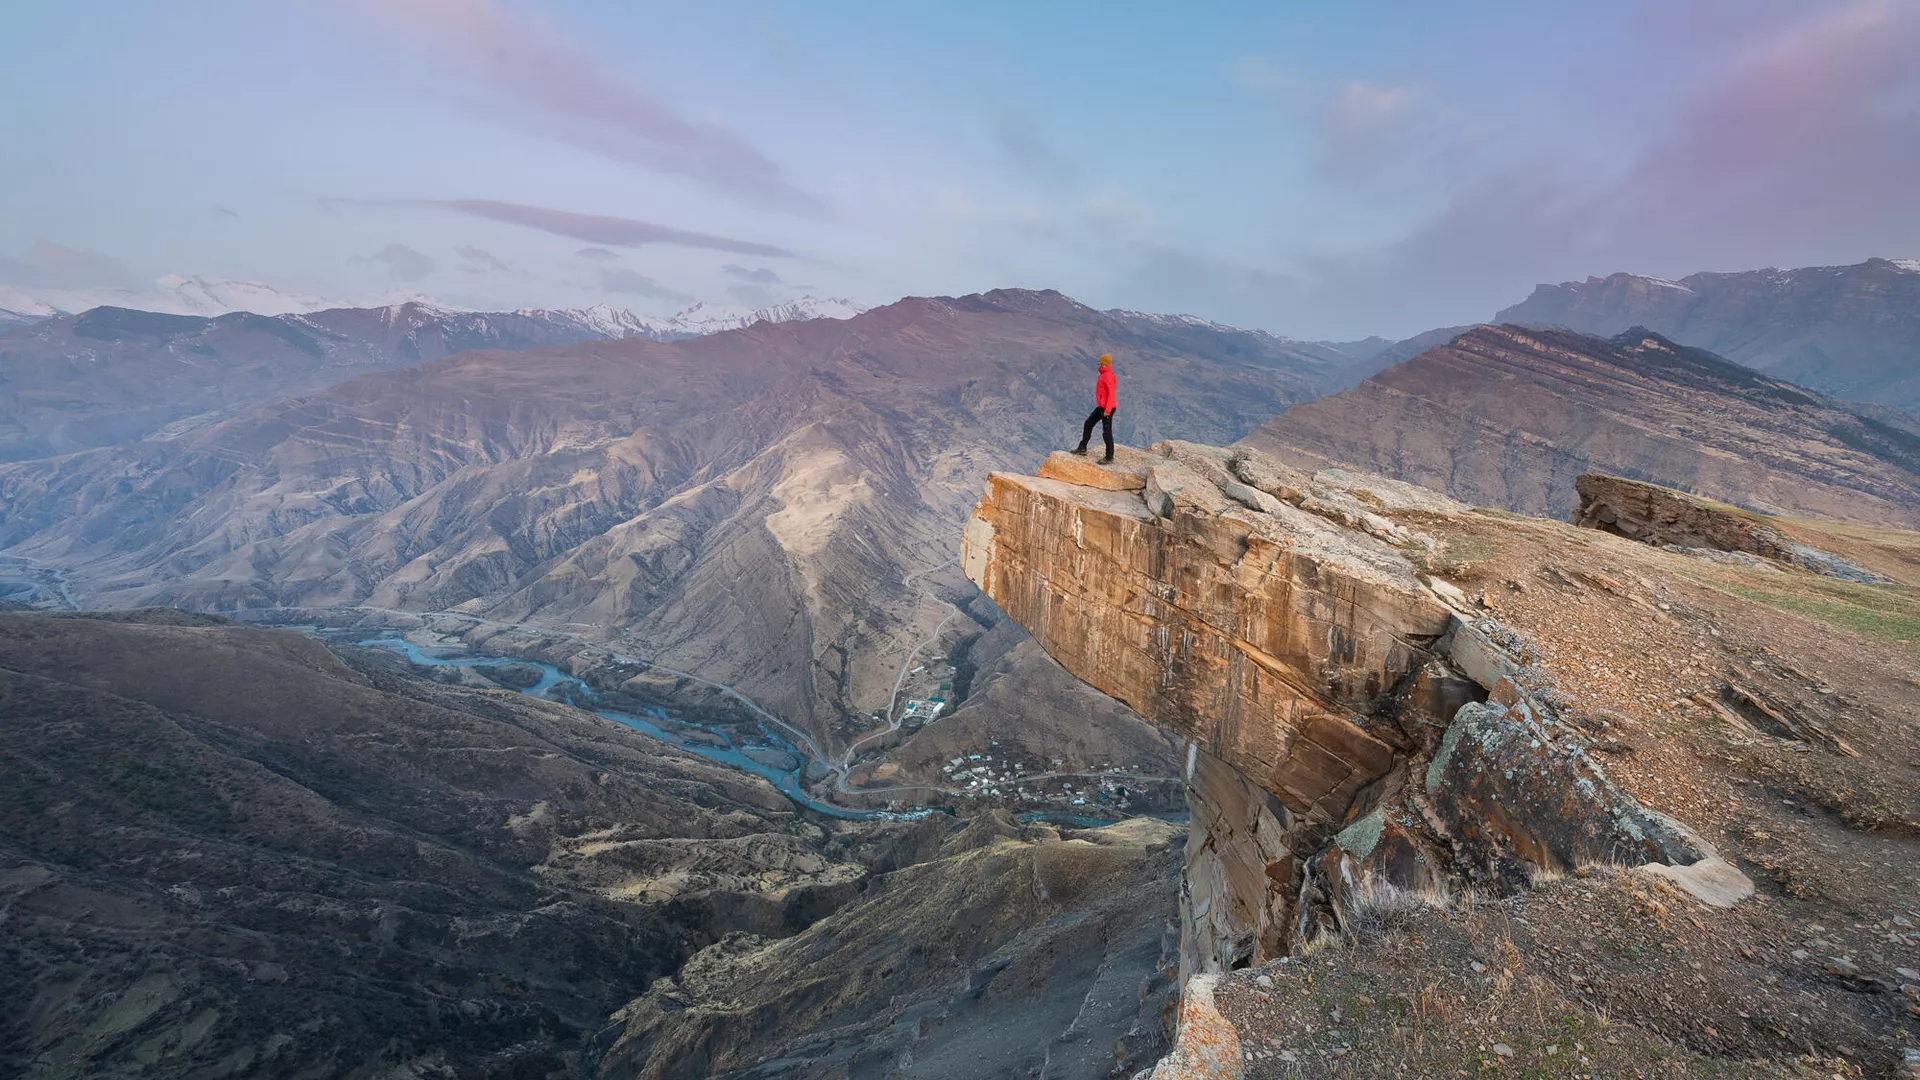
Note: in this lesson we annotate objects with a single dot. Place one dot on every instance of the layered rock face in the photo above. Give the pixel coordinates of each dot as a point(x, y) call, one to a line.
point(1658, 515)
point(1255, 634)
point(1354, 728)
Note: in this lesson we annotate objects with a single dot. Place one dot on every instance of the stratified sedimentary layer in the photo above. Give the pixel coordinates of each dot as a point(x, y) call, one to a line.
point(1340, 746)
point(1259, 634)
point(1663, 516)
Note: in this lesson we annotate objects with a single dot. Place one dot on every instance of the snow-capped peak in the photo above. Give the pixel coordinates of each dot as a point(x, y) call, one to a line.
point(14, 302)
point(604, 320)
point(706, 318)
point(191, 294)
point(170, 294)
point(1663, 283)
point(1189, 320)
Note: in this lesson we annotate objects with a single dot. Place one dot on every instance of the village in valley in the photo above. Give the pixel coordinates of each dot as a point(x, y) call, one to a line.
point(1013, 776)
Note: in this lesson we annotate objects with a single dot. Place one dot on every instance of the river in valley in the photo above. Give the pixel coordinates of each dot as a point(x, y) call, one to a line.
point(772, 758)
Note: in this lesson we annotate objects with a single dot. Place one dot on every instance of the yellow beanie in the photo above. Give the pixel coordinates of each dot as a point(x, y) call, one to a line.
point(1106, 359)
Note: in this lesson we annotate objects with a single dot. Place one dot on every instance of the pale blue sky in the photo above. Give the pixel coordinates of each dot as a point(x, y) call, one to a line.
point(1317, 170)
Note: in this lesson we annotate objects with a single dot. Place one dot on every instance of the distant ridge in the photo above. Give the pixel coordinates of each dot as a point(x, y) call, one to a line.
point(1509, 416)
point(1851, 331)
point(116, 374)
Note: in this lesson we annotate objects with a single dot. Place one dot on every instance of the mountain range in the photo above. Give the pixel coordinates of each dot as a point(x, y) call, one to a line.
point(194, 294)
point(113, 375)
point(748, 504)
point(1850, 331)
point(169, 294)
point(217, 834)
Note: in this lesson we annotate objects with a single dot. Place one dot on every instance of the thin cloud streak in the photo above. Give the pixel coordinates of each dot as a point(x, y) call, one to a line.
point(557, 88)
point(758, 275)
point(596, 228)
point(480, 258)
point(402, 262)
point(57, 266)
point(635, 283)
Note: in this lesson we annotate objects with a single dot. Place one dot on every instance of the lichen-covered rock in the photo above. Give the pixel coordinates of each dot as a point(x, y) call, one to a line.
point(1381, 860)
point(1345, 498)
point(1206, 1046)
point(1518, 796)
point(1172, 487)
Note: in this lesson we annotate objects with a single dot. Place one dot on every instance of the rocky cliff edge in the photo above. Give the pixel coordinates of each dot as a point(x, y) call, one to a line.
point(1362, 733)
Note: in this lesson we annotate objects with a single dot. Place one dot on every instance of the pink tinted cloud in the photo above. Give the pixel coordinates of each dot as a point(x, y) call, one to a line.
point(1814, 137)
point(1803, 151)
point(597, 228)
point(554, 86)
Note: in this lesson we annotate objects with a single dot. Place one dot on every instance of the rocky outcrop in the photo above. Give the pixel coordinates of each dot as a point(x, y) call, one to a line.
point(1260, 635)
point(1515, 796)
point(1357, 732)
point(1668, 518)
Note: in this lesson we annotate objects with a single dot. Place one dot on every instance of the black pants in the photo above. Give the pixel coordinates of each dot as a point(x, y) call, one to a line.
point(1105, 420)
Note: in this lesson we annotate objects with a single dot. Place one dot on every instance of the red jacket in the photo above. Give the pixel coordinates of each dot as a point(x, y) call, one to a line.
point(1105, 389)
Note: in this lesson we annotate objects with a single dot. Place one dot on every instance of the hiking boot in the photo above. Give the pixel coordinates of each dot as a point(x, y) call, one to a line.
point(1081, 450)
point(1108, 460)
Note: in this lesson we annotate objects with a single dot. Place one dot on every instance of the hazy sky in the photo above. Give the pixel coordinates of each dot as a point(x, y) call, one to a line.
point(1315, 169)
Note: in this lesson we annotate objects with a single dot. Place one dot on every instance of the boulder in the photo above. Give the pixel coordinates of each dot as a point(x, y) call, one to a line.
point(1381, 860)
point(1518, 796)
point(1662, 516)
point(1206, 1046)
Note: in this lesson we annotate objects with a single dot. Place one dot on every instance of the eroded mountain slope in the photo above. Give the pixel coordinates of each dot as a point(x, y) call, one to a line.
point(1850, 331)
point(748, 505)
point(1034, 953)
point(225, 850)
point(1508, 417)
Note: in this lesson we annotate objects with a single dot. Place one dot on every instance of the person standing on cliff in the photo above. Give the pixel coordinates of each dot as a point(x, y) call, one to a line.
point(1105, 397)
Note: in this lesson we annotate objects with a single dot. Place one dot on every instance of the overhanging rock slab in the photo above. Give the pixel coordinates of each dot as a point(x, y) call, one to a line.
point(1258, 642)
